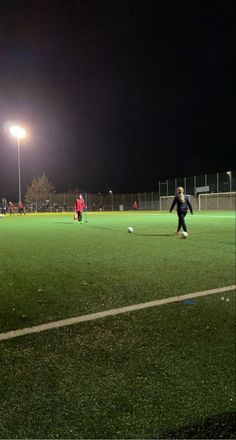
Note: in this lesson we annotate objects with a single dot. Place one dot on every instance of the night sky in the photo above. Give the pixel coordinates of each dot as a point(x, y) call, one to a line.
point(116, 94)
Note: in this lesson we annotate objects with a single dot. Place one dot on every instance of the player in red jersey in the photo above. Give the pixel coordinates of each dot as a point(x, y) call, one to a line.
point(11, 208)
point(79, 207)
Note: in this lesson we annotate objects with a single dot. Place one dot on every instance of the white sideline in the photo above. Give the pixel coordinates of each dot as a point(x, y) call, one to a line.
point(91, 317)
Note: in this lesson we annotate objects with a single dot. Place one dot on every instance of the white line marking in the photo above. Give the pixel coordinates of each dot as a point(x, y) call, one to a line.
point(91, 317)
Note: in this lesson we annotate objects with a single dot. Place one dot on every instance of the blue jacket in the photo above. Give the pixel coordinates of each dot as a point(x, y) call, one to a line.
point(181, 206)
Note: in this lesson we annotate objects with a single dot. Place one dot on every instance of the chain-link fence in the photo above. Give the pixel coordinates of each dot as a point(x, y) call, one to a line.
point(160, 199)
point(207, 183)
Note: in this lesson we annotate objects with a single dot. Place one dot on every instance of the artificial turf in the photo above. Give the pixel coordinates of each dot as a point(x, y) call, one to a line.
point(141, 375)
point(53, 268)
point(161, 373)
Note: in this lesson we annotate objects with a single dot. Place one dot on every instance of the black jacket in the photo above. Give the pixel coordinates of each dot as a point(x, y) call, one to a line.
point(181, 206)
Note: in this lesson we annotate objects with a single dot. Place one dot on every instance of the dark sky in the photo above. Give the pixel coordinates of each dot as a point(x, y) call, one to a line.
point(116, 94)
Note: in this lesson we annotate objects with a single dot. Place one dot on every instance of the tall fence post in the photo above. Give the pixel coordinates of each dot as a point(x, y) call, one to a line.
point(88, 201)
point(217, 189)
point(195, 185)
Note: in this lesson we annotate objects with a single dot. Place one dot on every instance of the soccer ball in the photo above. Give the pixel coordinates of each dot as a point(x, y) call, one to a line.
point(184, 234)
point(130, 229)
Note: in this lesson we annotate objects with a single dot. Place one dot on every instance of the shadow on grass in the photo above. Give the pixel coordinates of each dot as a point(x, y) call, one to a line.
point(102, 228)
point(65, 222)
point(221, 426)
point(157, 235)
point(71, 222)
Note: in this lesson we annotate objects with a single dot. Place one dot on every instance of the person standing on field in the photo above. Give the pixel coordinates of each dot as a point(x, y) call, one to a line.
point(21, 208)
point(79, 207)
point(4, 206)
point(183, 203)
point(11, 208)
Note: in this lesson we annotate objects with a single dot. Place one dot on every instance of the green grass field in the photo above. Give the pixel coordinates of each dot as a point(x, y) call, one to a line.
point(164, 372)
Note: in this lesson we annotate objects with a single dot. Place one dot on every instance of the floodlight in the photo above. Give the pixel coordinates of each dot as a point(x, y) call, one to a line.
point(18, 132)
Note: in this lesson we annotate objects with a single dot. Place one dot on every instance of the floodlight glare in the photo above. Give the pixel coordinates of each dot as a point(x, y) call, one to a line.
point(228, 172)
point(18, 132)
point(111, 194)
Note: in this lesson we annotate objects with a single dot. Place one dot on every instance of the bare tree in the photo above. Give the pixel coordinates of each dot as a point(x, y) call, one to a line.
point(39, 190)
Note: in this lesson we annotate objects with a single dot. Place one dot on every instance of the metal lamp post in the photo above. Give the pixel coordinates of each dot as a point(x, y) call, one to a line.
point(110, 192)
point(19, 133)
point(229, 173)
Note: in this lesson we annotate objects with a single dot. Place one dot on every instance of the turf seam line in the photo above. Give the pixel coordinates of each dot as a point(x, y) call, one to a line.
point(112, 312)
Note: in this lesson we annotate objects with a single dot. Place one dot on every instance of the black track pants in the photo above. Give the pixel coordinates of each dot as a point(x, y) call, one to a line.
point(79, 216)
point(181, 222)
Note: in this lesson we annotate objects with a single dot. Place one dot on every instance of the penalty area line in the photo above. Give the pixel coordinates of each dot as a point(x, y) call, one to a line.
point(113, 312)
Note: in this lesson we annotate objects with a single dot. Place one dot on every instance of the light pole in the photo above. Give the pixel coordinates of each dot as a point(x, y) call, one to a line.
point(229, 173)
point(19, 133)
point(111, 199)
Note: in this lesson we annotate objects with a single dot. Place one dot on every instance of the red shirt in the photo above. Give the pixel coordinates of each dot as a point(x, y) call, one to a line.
point(79, 205)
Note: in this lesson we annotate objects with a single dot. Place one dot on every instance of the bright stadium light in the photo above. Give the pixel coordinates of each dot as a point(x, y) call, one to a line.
point(111, 193)
point(229, 173)
point(19, 133)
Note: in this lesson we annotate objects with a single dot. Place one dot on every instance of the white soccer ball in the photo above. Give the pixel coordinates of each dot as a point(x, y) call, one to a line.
point(130, 229)
point(184, 234)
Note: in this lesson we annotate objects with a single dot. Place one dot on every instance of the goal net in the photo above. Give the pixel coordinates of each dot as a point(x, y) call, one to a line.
point(217, 201)
point(166, 202)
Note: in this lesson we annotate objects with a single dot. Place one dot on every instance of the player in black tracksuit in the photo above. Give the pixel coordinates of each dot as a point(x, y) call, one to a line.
point(183, 203)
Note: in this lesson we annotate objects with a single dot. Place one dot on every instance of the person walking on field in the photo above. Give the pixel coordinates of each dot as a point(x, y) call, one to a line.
point(183, 203)
point(79, 207)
